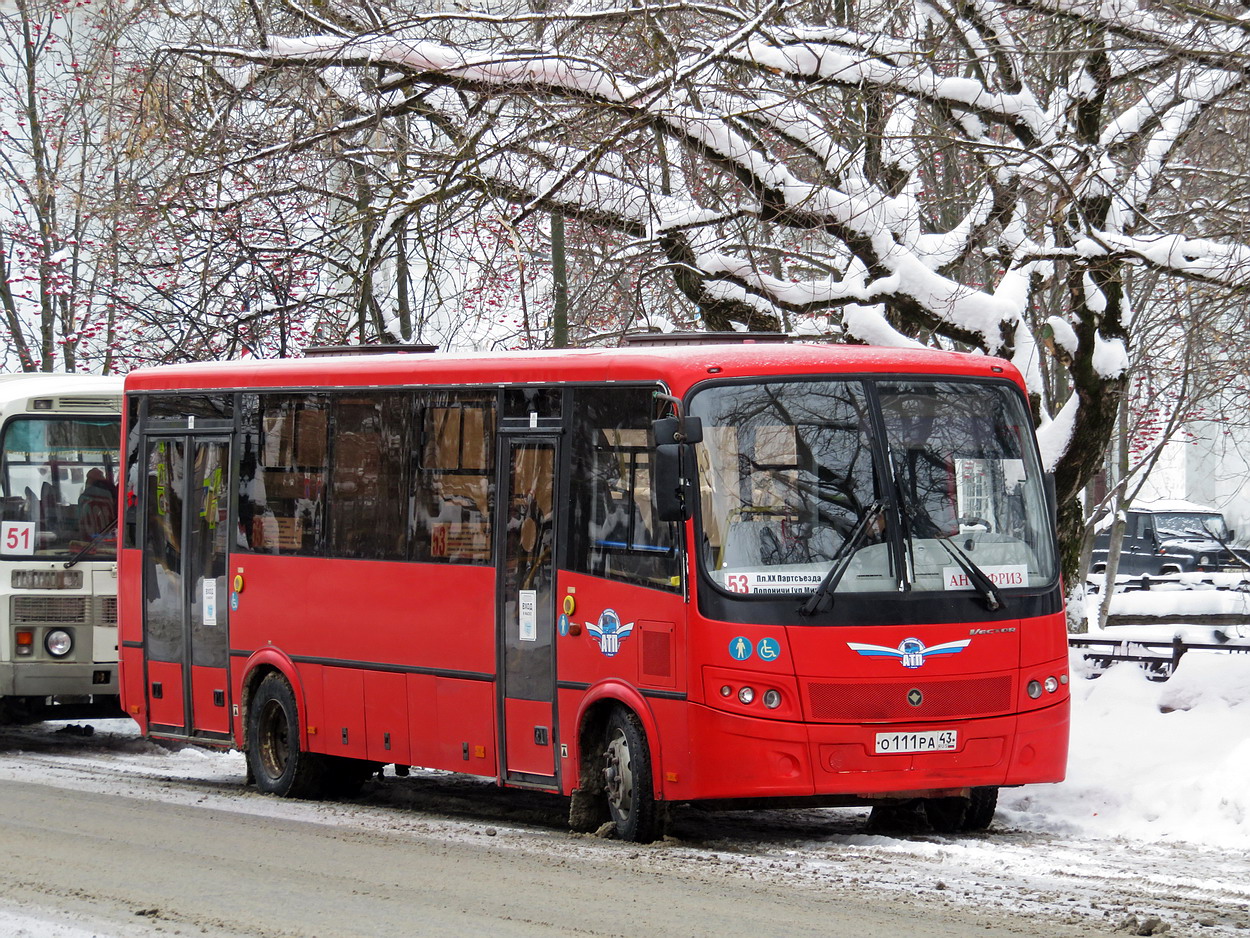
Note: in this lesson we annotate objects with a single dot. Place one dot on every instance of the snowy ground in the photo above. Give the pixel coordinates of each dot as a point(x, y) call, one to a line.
point(1153, 821)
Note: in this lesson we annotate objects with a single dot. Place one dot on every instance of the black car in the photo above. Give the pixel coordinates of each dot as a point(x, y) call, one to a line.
point(1170, 537)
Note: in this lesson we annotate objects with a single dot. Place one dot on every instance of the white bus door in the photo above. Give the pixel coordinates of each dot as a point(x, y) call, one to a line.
point(185, 614)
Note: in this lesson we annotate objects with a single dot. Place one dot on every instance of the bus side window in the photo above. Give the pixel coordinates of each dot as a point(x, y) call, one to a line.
point(453, 483)
point(613, 528)
point(368, 485)
point(282, 477)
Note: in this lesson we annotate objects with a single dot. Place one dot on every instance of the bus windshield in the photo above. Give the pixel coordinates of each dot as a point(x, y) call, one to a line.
point(58, 477)
point(899, 484)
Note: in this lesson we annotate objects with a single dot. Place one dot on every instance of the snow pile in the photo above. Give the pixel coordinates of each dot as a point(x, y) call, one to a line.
point(1188, 596)
point(1152, 761)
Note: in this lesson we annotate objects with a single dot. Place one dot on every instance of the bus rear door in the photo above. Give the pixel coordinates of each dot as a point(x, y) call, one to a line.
point(184, 558)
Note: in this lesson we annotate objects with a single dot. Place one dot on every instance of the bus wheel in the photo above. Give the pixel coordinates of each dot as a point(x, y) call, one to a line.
point(981, 808)
point(274, 757)
point(946, 815)
point(627, 779)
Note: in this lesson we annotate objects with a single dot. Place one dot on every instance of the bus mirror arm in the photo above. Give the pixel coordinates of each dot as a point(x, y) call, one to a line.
point(668, 430)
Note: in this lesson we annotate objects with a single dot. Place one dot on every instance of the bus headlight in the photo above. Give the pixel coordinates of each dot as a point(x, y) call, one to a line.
point(746, 695)
point(1052, 684)
point(59, 643)
point(1034, 689)
point(772, 699)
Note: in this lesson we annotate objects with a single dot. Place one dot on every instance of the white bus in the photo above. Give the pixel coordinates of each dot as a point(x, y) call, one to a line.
point(59, 443)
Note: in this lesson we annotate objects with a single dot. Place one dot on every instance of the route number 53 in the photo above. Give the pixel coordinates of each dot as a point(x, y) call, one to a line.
point(18, 537)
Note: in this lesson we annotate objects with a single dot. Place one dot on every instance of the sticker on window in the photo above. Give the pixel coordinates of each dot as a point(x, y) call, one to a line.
point(1004, 577)
point(761, 582)
point(528, 614)
point(18, 538)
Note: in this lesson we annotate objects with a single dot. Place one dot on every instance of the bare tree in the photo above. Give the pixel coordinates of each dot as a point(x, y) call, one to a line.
point(64, 131)
point(981, 174)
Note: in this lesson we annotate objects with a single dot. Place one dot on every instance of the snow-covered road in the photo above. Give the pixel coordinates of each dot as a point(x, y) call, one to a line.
point(1153, 822)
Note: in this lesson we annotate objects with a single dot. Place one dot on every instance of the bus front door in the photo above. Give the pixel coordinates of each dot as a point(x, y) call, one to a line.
point(526, 612)
point(185, 545)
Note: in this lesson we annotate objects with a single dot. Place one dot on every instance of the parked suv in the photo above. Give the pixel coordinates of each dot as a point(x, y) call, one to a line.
point(1169, 537)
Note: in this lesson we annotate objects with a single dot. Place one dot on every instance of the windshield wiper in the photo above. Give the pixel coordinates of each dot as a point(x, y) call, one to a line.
point(976, 576)
point(90, 545)
point(821, 599)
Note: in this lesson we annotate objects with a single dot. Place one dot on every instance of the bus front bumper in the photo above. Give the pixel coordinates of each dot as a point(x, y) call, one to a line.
point(57, 678)
point(742, 757)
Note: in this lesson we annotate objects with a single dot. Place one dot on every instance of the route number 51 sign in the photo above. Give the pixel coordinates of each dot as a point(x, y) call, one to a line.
point(17, 538)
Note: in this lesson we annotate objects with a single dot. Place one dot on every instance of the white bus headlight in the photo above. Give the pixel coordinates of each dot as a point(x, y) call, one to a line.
point(59, 643)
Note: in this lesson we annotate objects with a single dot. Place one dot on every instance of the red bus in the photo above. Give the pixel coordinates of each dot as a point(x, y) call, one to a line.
point(707, 573)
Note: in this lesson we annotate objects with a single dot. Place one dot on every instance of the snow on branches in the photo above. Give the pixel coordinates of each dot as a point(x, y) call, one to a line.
point(969, 173)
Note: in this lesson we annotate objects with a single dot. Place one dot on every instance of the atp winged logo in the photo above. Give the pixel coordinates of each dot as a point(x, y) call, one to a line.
point(609, 631)
point(912, 652)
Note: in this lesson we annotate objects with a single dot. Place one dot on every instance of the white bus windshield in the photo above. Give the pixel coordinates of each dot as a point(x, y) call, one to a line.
point(58, 477)
point(789, 470)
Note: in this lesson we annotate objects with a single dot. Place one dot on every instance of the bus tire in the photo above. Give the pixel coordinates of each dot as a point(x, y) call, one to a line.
point(274, 757)
point(627, 779)
point(946, 815)
point(981, 808)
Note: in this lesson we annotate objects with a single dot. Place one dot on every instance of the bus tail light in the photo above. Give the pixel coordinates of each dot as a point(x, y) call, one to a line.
point(25, 642)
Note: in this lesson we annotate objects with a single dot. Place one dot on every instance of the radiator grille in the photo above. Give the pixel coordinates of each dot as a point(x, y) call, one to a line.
point(108, 610)
point(50, 609)
point(888, 701)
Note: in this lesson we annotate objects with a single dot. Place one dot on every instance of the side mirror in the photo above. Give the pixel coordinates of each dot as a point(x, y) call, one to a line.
point(1052, 499)
point(673, 437)
point(670, 484)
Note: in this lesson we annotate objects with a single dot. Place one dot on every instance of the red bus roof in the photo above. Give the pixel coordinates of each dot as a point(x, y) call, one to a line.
point(679, 367)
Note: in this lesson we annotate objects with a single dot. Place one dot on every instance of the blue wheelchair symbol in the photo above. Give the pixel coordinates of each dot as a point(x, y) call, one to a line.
point(769, 649)
point(740, 649)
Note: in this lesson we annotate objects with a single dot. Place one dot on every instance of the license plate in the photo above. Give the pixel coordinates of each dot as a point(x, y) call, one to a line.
point(929, 741)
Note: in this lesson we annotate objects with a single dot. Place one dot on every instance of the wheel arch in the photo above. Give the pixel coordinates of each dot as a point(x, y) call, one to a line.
point(260, 665)
point(592, 721)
